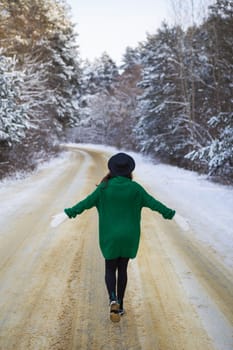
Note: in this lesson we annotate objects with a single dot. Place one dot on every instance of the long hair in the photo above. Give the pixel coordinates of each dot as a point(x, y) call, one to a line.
point(109, 176)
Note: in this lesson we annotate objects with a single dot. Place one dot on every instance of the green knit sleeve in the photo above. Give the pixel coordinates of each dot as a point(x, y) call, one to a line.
point(152, 203)
point(87, 203)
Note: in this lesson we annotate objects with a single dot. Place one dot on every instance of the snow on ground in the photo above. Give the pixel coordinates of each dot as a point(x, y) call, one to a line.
point(202, 208)
point(20, 194)
point(201, 205)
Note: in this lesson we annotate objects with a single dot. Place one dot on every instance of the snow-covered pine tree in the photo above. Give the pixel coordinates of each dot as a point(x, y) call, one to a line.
point(162, 127)
point(216, 37)
point(130, 58)
point(106, 72)
point(217, 155)
point(108, 102)
point(126, 92)
point(13, 112)
point(40, 34)
point(63, 78)
point(59, 54)
point(97, 99)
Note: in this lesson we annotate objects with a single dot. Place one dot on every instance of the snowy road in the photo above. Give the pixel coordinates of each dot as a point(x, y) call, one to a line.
point(52, 292)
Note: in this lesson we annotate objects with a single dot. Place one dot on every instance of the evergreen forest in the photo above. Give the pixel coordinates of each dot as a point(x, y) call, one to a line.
point(170, 99)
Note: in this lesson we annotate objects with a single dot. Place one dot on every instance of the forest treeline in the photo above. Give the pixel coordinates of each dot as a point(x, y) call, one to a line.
point(171, 98)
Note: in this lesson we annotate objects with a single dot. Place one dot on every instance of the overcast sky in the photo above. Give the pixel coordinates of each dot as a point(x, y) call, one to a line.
point(112, 25)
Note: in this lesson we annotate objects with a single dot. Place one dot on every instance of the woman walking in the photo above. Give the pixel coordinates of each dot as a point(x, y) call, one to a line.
point(119, 201)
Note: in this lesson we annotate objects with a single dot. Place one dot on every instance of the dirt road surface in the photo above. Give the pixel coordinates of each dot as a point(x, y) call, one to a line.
point(52, 292)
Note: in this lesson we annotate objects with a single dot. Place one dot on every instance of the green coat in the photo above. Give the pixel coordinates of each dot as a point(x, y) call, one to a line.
point(119, 203)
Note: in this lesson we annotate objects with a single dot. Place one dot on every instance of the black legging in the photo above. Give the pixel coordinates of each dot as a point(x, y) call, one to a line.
point(119, 285)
